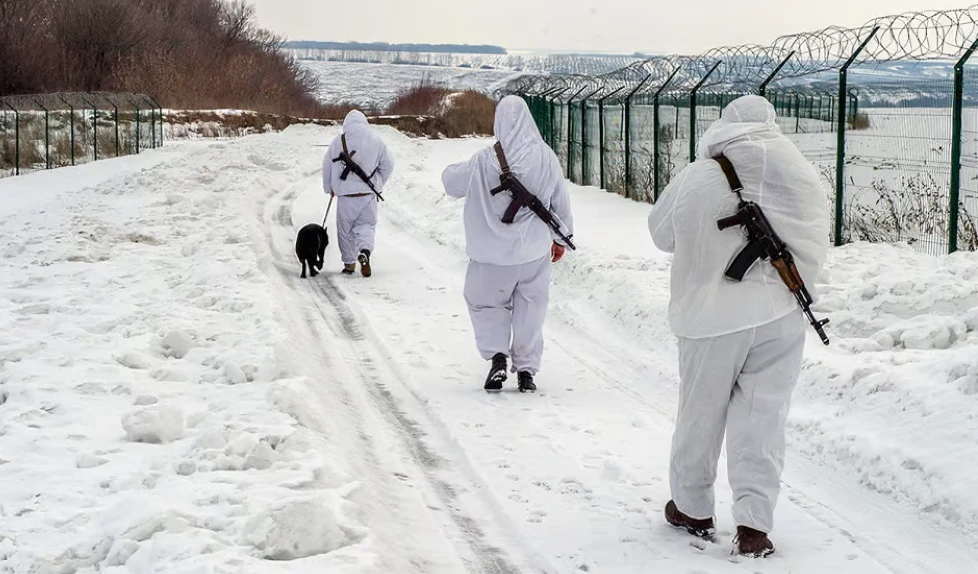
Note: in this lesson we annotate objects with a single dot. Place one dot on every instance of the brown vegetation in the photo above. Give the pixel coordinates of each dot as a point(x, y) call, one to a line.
point(448, 113)
point(192, 54)
point(860, 122)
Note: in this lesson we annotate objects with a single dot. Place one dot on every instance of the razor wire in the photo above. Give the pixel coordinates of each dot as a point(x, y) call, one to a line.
point(912, 36)
point(895, 151)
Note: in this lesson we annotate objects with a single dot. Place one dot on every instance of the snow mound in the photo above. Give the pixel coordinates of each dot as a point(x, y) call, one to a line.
point(135, 361)
point(158, 424)
point(177, 344)
point(299, 529)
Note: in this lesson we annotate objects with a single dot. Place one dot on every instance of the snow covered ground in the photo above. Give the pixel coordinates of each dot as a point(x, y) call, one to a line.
point(175, 399)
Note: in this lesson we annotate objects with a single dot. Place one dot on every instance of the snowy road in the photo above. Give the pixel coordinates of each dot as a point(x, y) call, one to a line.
point(386, 456)
point(581, 468)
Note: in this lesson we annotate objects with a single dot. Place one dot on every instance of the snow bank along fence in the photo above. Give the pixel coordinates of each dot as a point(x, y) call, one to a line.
point(55, 130)
point(887, 112)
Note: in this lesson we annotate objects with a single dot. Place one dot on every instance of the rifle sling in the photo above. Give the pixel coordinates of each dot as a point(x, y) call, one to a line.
point(514, 207)
point(753, 251)
point(730, 173)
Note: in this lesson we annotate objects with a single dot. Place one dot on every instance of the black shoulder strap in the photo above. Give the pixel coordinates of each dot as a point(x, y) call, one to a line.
point(503, 164)
point(753, 251)
point(343, 141)
point(730, 173)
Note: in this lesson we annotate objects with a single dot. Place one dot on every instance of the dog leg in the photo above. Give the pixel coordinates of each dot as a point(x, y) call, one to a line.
point(312, 268)
point(303, 276)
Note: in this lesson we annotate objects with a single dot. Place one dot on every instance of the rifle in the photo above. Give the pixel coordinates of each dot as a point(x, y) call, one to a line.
point(349, 165)
point(764, 243)
point(523, 198)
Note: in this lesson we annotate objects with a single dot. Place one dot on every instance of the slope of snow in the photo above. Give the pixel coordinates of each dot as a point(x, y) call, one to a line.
point(175, 399)
point(375, 86)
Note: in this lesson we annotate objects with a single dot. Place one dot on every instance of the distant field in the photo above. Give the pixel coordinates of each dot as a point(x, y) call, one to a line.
point(376, 85)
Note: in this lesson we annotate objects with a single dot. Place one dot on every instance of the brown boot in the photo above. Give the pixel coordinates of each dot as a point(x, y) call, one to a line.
point(349, 268)
point(701, 528)
point(364, 260)
point(752, 543)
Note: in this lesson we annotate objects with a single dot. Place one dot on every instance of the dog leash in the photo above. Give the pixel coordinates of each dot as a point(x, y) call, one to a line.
point(327, 210)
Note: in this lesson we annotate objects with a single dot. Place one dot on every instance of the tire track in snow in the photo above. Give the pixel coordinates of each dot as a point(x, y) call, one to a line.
point(367, 361)
point(490, 559)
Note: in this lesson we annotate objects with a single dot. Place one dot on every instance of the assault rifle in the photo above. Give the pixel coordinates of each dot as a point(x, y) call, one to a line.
point(351, 166)
point(764, 243)
point(523, 198)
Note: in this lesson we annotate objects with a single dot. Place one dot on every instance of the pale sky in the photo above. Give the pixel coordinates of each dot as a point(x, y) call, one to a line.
point(624, 26)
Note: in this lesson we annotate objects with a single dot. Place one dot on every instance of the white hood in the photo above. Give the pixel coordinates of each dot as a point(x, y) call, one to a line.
point(744, 117)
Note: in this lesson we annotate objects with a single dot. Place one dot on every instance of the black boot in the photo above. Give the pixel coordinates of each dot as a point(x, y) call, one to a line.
point(497, 374)
point(525, 379)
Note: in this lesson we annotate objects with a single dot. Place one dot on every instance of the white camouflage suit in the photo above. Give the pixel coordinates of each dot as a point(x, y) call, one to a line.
point(507, 286)
point(740, 344)
point(356, 210)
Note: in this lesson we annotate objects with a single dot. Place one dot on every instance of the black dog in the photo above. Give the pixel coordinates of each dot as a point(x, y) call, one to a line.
point(310, 248)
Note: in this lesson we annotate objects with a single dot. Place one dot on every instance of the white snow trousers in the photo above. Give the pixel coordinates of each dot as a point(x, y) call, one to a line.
point(356, 224)
point(740, 382)
point(508, 306)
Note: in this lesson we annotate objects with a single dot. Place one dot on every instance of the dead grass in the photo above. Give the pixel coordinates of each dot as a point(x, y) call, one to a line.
point(422, 99)
point(860, 122)
point(471, 113)
point(448, 113)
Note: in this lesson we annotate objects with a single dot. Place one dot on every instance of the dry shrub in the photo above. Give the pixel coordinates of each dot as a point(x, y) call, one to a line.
point(860, 122)
point(421, 99)
point(7, 153)
point(449, 114)
point(470, 113)
point(188, 53)
point(61, 149)
point(107, 142)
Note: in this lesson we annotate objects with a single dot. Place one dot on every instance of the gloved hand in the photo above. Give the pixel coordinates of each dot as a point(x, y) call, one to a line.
point(557, 252)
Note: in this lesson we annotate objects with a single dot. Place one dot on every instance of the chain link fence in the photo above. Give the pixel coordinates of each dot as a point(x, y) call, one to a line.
point(48, 131)
point(887, 113)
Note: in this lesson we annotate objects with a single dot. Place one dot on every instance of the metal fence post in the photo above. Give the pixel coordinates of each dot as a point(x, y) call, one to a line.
point(71, 110)
point(118, 147)
point(628, 135)
point(656, 158)
point(797, 112)
point(570, 132)
point(584, 158)
point(692, 112)
point(956, 121)
point(94, 127)
point(47, 134)
point(160, 108)
point(601, 132)
point(840, 164)
point(137, 129)
point(762, 90)
point(16, 139)
point(553, 114)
